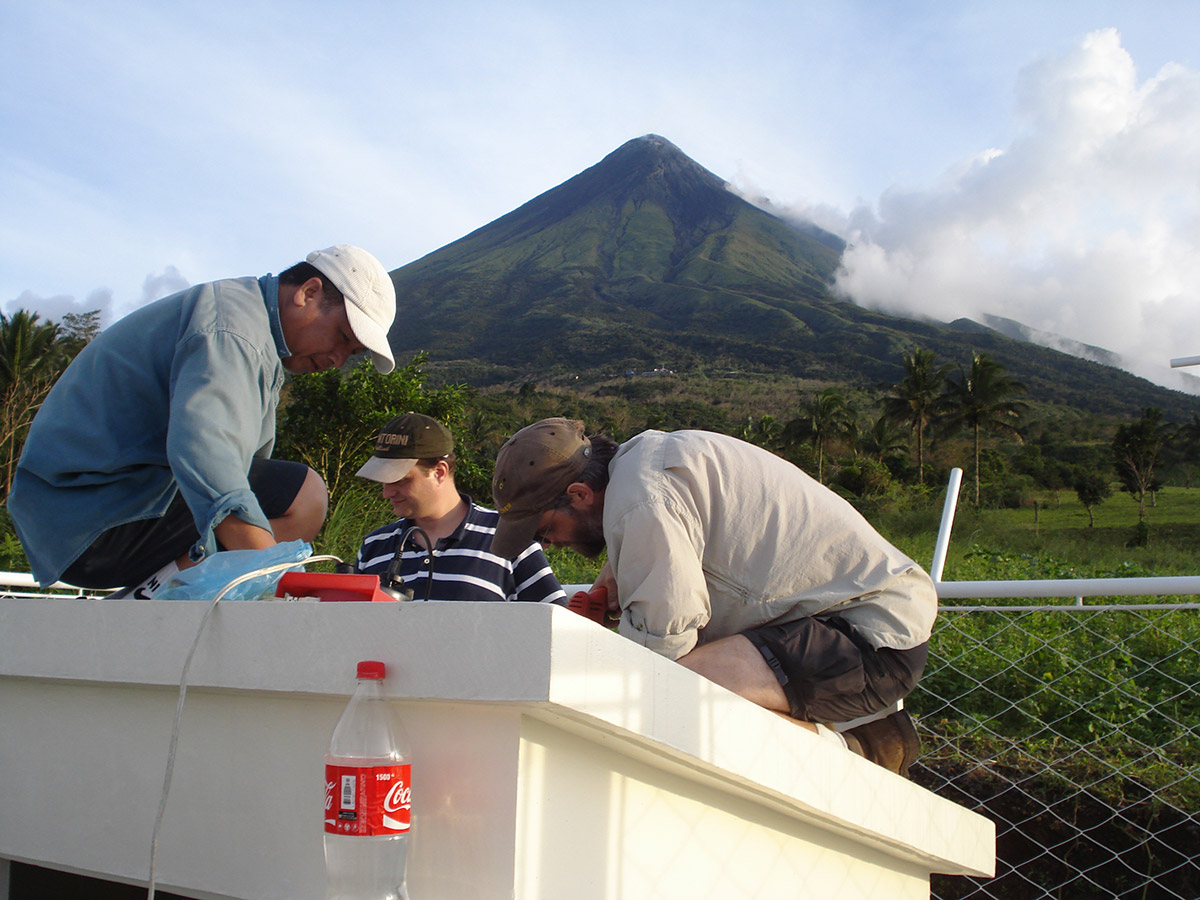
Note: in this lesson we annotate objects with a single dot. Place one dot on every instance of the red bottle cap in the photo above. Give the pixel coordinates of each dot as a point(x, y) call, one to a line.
point(371, 668)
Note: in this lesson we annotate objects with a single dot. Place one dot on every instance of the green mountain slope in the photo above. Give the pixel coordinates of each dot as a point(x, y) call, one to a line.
point(645, 260)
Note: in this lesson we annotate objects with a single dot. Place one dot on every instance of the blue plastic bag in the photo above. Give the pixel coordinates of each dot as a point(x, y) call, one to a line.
point(206, 579)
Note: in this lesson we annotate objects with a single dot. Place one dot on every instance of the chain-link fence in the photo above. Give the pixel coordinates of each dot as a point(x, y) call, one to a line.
point(1077, 730)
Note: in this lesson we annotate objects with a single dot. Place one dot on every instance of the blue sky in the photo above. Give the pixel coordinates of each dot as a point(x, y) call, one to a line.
point(1031, 160)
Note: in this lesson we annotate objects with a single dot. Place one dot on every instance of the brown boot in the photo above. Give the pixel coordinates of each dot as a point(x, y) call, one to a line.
point(891, 742)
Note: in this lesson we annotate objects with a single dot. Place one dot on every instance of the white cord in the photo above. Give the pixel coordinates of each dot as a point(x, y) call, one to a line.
point(162, 800)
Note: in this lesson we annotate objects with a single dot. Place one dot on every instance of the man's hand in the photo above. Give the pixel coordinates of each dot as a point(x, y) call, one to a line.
point(606, 580)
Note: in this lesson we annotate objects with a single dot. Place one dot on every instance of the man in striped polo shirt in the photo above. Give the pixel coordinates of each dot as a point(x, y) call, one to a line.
point(414, 461)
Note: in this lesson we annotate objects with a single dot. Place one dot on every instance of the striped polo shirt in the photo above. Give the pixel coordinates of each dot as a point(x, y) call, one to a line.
point(463, 566)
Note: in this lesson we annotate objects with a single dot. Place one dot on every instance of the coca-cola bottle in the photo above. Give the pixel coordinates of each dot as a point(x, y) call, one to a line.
point(367, 800)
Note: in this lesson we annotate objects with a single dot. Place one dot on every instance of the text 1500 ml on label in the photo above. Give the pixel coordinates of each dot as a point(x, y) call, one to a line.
point(367, 800)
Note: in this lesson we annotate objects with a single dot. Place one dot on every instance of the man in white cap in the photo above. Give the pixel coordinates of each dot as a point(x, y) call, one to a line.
point(152, 449)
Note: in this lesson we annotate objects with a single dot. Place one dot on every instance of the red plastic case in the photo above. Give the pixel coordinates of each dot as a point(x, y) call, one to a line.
point(332, 587)
point(593, 605)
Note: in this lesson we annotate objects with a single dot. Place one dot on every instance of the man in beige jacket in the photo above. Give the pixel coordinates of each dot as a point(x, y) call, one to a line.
point(738, 565)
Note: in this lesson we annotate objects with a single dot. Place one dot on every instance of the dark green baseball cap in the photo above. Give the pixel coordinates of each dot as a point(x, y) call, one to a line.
point(402, 442)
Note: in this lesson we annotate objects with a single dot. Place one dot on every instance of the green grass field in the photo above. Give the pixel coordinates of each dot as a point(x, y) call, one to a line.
point(1054, 540)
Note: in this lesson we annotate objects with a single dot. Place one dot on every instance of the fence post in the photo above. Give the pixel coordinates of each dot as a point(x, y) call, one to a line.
point(943, 537)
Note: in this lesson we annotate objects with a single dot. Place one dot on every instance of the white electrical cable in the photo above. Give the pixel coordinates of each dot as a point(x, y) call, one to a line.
point(162, 801)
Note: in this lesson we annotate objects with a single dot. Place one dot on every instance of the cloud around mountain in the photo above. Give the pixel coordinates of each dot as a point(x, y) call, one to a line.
point(646, 260)
point(1085, 226)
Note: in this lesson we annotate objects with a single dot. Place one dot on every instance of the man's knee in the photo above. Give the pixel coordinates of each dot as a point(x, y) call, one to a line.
point(304, 518)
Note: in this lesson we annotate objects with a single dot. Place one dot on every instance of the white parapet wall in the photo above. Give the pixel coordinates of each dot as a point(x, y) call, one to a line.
point(551, 759)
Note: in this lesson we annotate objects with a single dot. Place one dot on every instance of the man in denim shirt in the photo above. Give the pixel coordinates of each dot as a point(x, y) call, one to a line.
point(152, 450)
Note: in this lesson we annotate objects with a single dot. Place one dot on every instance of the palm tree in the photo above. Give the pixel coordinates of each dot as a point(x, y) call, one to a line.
point(27, 349)
point(982, 398)
point(914, 400)
point(882, 439)
point(765, 431)
point(30, 359)
point(823, 418)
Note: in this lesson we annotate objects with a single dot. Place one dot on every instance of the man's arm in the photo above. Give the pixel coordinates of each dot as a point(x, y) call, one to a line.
point(534, 578)
point(220, 394)
point(656, 563)
point(234, 534)
point(378, 549)
point(608, 581)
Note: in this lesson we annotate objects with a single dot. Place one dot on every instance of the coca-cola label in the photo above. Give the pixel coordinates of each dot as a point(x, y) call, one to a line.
point(367, 800)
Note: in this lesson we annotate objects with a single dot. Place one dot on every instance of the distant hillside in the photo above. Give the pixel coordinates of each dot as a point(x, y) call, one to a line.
point(1179, 380)
point(646, 260)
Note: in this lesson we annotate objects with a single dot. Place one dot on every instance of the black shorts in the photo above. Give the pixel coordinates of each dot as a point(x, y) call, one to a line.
point(830, 673)
point(129, 554)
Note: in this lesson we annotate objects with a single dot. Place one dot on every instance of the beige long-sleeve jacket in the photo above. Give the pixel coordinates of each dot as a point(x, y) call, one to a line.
point(709, 536)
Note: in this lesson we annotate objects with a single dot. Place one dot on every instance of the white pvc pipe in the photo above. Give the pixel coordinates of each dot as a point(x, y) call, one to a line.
point(1185, 361)
point(943, 536)
point(1058, 587)
point(24, 579)
point(1072, 608)
point(1070, 587)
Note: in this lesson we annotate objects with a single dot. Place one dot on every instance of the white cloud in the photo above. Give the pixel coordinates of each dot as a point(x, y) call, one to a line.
point(167, 282)
point(1086, 225)
point(52, 309)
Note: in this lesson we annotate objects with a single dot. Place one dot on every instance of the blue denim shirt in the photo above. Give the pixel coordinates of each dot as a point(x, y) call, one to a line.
point(178, 395)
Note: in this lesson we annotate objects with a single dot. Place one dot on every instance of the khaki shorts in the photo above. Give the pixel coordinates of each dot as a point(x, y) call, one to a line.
point(830, 673)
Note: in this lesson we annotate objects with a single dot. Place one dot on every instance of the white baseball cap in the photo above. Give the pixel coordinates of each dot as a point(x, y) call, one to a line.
point(370, 296)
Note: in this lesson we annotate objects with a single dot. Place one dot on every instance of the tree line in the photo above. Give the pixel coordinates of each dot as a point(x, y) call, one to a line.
point(931, 402)
point(929, 398)
point(936, 402)
point(898, 438)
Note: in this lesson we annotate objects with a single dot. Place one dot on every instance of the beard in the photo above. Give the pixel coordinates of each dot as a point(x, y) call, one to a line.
point(588, 539)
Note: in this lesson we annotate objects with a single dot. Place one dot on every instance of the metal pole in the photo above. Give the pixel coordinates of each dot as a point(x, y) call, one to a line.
point(1185, 361)
point(1077, 588)
point(943, 537)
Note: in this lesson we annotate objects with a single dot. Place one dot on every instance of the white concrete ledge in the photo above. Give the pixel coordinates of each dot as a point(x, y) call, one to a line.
point(549, 755)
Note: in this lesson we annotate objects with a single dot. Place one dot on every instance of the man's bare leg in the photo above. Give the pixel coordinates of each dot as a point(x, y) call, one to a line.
point(304, 518)
point(735, 664)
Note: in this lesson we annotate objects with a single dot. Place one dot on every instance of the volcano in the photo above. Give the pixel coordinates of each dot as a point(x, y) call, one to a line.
point(648, 261)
